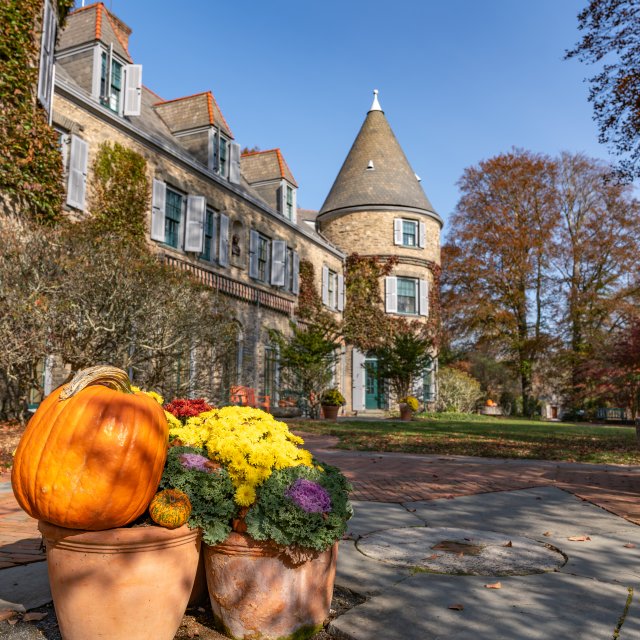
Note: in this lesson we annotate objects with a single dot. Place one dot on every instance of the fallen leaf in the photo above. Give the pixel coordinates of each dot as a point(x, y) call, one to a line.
point(5, 615)
point(508, 544)
point(456, 607)
point(630, 545)
point(28, 617)
point(13, 621)
point(493, 585)
point(547, 533)
point(578, 538)
point(433, 557)
point(460, 555)
point(411, 510)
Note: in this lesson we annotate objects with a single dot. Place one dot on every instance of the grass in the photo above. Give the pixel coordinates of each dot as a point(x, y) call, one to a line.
point(474, 435)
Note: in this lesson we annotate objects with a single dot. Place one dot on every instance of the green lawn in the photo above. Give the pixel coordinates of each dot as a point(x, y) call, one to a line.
point(471, 435)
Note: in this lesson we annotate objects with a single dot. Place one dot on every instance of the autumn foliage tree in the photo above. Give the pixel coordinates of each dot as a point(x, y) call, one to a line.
point(541, 265)
point(495, 266)
point(594, 256)
point(611, 40)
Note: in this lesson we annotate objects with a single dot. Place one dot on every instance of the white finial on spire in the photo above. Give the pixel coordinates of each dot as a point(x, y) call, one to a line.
point(376, 105)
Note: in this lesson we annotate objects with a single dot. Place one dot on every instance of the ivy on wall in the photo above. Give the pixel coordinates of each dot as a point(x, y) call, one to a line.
point(30, 161)
point(121, 193)
point(366, 325)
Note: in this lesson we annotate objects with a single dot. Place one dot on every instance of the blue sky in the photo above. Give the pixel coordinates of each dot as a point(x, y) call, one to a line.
point(459, 80)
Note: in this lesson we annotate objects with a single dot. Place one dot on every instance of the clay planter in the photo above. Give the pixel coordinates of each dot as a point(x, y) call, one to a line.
point(330, 412)
point(259, 594)
point(405, 412)
point(121, 583)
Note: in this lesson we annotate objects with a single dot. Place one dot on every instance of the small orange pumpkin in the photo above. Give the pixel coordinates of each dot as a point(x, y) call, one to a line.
point(93, 453)
point(170, 508)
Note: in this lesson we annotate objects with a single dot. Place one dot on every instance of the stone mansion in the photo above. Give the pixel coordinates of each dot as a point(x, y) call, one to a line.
point(231, 217)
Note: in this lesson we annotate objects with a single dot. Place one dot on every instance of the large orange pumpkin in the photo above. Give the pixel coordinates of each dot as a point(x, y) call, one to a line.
point(93, 453)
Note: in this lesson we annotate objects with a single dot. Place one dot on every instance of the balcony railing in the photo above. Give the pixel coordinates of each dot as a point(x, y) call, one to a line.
point(233, 288)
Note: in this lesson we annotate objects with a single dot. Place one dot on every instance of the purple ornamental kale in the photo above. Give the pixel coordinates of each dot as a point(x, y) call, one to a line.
point(194, 462)
point(309, 496)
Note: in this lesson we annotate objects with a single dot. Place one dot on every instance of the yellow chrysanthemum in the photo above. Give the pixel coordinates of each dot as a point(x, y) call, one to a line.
point(245, 495)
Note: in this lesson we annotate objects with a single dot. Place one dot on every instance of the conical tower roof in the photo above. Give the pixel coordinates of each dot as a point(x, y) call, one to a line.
point(376, 174)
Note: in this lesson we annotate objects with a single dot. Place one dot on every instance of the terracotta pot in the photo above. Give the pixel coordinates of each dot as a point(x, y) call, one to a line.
point(121, 583)
point(257, 593)
point(330, 412)
point(405, 412)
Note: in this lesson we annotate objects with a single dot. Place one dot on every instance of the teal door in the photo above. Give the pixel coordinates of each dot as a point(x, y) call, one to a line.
point(371, 387)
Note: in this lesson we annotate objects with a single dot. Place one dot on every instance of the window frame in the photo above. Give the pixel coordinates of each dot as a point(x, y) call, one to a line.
point(414, 234)
point(107, 83)
point(210, 235)
point(263, 266)
point(170, 222)
point(415, 284)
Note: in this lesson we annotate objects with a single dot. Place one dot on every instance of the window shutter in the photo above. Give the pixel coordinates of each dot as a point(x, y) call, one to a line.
point(253, 253)
point(391, 294)
point(158, 197)
point(216, 151)
point(357, 380)
point(234, 163)
point(424, 298)
point(97, 72)
point(325, 285)
point(132, 89)
point(296, 274)
point(278, 262)
point(294, 215)
point(397, 231)
point(194, 236)
point(422, 237)
point(283, 198)
point(78, 160)
point(214, 236)
point(223, 252)
point(340, 292)
point(47, 46)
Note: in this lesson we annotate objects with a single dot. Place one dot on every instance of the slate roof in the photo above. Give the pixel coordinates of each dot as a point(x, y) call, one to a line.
point(94, 22)
point(390, 182)
point(262, 166)
point(192, 112)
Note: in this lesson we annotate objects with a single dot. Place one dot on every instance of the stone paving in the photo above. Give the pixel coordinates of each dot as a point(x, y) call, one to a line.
point(588, 513)
point(397, 477)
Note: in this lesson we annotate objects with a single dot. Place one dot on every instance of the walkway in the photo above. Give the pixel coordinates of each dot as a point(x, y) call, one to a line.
point(398, 478)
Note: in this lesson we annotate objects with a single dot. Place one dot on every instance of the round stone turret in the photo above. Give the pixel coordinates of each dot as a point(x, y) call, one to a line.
point(377, 205)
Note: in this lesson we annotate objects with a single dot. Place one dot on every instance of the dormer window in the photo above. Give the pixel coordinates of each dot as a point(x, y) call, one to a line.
point(111, 83)
point(221, 154)
point(117, 85)
point(289, 203)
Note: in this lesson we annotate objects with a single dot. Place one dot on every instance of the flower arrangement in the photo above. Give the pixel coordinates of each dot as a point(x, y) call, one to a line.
point(183, 408)
point(332, 398)
point(243, 470)
point(411, 402)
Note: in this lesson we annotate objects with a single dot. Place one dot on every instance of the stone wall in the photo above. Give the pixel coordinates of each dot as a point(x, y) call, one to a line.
point(254, 319)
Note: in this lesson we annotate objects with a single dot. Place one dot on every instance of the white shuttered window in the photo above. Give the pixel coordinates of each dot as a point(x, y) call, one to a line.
point(194, 237)
point(132, 89)
point(78, 162)
point(47, 46)
point(223, 249)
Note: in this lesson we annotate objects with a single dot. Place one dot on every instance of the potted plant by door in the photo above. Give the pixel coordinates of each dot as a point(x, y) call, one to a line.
point(271, 518)
point(87, 467)
point(408, 406)
point(331, 401)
